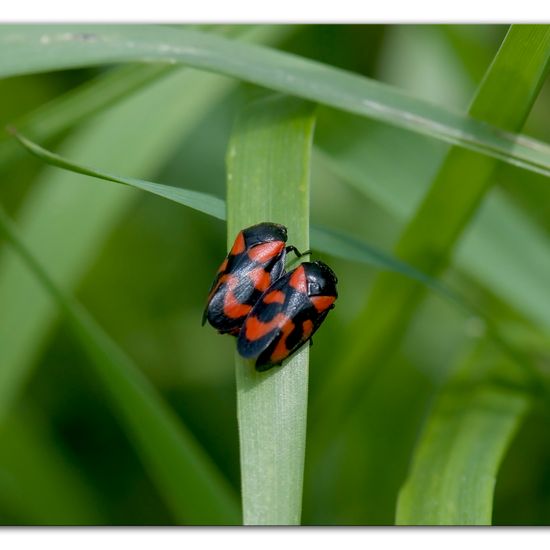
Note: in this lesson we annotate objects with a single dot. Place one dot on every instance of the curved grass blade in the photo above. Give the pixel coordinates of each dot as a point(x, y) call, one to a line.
point(92, 97)
point(330, 241)
point(190, 483)
point(194, 199)
point(456, 461)
point(347, 247)
point(27, 49)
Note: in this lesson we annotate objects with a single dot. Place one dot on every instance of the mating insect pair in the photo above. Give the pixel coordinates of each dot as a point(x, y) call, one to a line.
point(271, 312)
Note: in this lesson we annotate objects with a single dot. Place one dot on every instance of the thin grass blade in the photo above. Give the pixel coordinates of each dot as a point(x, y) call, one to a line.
point(92, 97)
point(203, 202)
point(27, 49)
point(330, 241)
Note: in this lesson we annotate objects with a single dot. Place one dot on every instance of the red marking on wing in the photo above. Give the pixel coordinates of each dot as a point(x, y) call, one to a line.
point(239, 245)
point(281, 351)
point(263, 253)
point(298, 280)
point(260, 278)
point(307, 329)
point(274, 297)
point(255, 329)
point(232, 308)
point(322, 303)
point(223, 266)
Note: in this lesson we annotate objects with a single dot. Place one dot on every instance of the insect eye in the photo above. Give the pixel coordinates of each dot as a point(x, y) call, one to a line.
point(313, 288)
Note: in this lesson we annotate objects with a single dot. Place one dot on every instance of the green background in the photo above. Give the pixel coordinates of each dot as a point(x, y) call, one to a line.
point(143, 266)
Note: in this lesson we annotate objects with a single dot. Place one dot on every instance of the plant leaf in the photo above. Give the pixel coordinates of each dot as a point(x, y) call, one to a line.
point(268, 179)
point(34, 48)
point(347, 247)
point(330, 241)
point(92, 97)
point(194, 199)
point(455, 464)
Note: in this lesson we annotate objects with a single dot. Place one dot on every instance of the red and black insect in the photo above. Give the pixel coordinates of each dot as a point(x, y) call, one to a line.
point(288, 314)
point(256, 259)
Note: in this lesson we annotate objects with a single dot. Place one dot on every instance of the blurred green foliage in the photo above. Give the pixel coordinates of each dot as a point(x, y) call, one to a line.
point(146, 285)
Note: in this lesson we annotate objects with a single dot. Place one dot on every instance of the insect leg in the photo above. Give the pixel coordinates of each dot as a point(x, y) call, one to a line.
point(299, 254)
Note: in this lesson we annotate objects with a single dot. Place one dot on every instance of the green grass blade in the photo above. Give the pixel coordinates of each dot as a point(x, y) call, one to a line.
point(90, 98)
point(345, 246)
point(427, 241)
point(28, 49)
point(330, 241)
point(173, 458)
point(194, 199)
point(454, 467)
point(268, 180)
